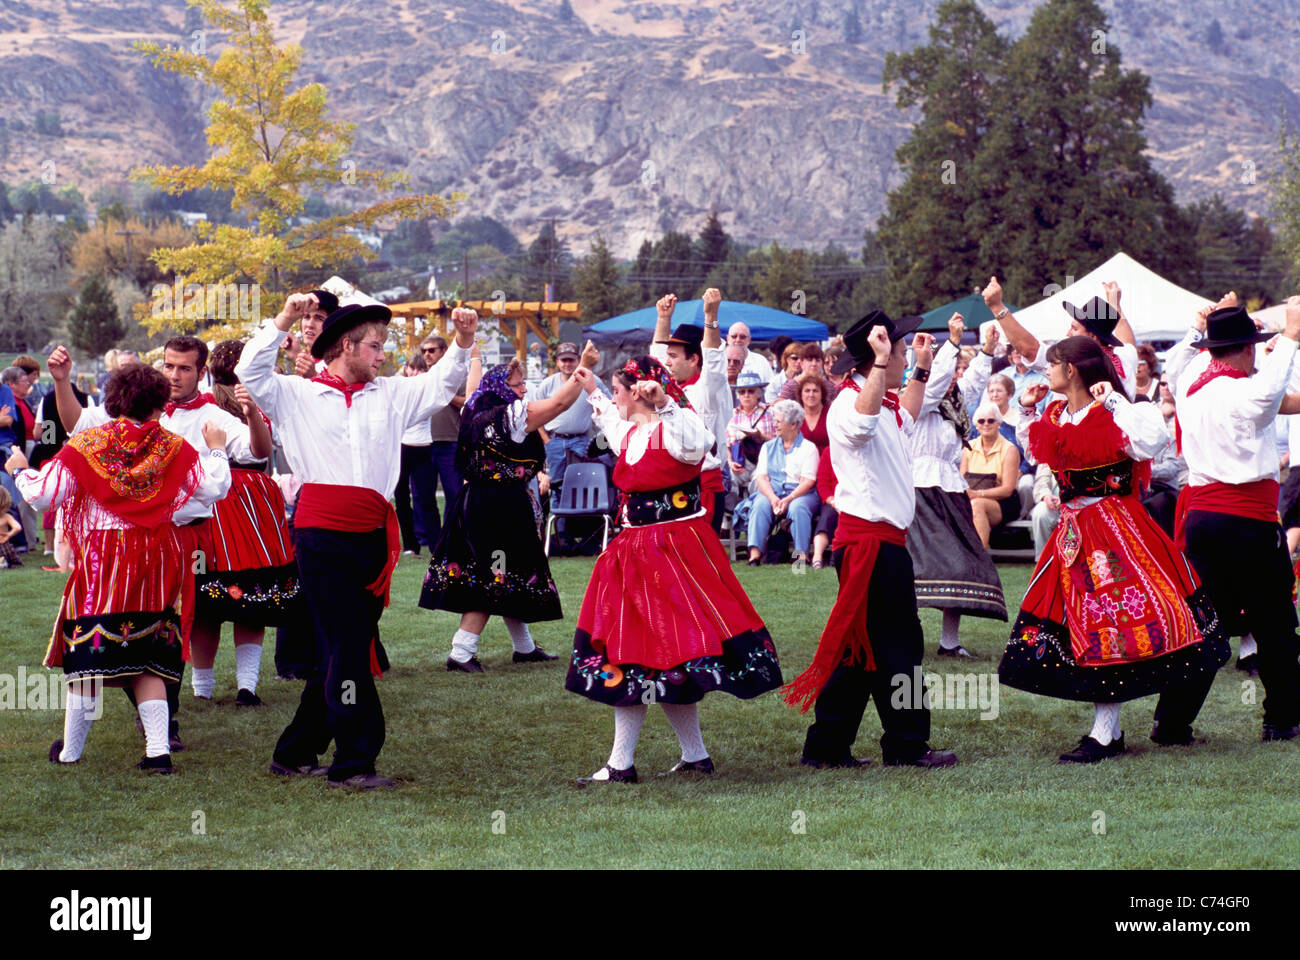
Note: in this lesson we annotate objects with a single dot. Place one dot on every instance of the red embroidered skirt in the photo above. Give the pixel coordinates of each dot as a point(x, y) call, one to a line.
point(664, 616)
point(1113, 611)
point(251, 576)
point(121, 609)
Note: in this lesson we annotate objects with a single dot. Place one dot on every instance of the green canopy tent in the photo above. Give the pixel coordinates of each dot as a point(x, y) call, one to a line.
point(972, 308)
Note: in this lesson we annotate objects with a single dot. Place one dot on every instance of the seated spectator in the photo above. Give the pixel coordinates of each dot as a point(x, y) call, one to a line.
point(1148, 370)
point(811, 363)
point(1000, 390)
point(750, 427)
point(791, 369)
point(992, 468)
point(815, 397)
point(828, 518)
point(738, 336)
point(1047, 508)
point(785, 478)
point(735, 361)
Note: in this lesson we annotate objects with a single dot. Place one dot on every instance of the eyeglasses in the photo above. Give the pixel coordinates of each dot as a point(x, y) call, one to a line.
point(374, 345)
point(986, 421)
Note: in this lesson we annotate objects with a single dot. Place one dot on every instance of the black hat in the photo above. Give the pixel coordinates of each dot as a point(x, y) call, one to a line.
point(328, 302)
point(1098, 318)
point(686, 335)
point(346, 318)
point(858, 351)
point(1231, 327)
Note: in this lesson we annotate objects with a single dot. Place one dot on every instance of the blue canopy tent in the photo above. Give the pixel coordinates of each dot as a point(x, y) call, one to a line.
point(973, 309)
point(764, 322)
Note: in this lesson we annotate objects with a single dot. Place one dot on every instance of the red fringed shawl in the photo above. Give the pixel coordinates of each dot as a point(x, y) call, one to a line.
point(1094, 442)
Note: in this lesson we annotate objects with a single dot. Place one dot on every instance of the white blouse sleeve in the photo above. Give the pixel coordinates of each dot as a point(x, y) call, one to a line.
point(47, 488)
point(517, 420)
point(1027, 417)
point(1143, 425)
point(613, 428)
point(686, 438)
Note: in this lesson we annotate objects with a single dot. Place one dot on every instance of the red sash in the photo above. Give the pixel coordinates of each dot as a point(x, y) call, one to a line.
point(334, 506)
point(845, 634)
point(1256, 500)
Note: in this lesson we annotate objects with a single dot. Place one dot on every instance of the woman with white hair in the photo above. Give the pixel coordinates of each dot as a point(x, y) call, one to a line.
point(786, 479)
point(991, 467)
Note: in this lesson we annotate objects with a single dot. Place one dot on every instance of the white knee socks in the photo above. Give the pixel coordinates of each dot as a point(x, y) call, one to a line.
point(78, 714)
point(685, 719)
point(203, 681)
point(153, 715)
point(248, 661)
point(627, 730)
point(463, 646)
point(1106, 726)
point(1248, 646)
point(948, 632)
point(519, 635)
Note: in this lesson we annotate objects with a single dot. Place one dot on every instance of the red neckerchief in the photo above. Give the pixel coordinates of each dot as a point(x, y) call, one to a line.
point(337, 383)
point(1114, 358)
point(889, 400)
point(686, 383)
point(1217, 368)
point(196, 401)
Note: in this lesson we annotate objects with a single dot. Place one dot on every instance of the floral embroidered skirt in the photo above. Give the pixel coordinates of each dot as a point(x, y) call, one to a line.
point(250, 574)
point(1113, 611)
point(664, 620)
point(121, 611)
point(489, 558)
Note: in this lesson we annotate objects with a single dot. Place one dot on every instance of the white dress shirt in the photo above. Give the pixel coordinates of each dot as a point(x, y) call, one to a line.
point(936, 448)
point(685, 437)
point(1228, 426)
point(756, 363)
point(1142, 424)
point(872, 457)
point(709, 396)
point(327, 441)
point(49, 487)
point(188, 424)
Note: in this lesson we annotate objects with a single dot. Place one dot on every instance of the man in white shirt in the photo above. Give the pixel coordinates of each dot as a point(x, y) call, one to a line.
point(695, 358)
point(1098, 319)
point(1229, 529)
point(872, 645)
point(342, 434)
point(738, 336)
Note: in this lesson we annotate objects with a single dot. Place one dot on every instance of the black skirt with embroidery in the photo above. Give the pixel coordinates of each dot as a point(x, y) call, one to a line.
point(489, 557)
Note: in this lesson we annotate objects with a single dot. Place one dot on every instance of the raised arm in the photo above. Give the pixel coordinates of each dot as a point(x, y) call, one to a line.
point(541, 412)
point(420, 397)
point(914, 393)
point(1142, 424)
point(256, 366)
point(1123, 329)
point(976, 377)
point(65, 401)
point(712, 335)
point(1017, 336)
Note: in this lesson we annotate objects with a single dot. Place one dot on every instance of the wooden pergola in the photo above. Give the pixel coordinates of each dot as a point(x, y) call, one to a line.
point(525, 316)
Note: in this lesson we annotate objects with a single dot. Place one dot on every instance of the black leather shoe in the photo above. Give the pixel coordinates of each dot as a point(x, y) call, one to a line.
point(1249, 664)
point(161, 764)
point(247, 698)
point(304, 770)
point(1090, 751)
point(536, 655)
point(835, 764)
point(930, 760)
point(363, 781)
point(56, 748)
point(469, 666)
point(1273, 732)
point(1173, 737)
point(615, 776)
point(174, 737)
point(692, 766)
point(958, 651)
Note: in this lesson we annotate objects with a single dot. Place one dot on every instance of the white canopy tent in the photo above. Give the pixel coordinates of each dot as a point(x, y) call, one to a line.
point(1156, 308)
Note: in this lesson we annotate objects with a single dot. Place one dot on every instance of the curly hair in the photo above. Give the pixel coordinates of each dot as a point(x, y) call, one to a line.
point(137, 392)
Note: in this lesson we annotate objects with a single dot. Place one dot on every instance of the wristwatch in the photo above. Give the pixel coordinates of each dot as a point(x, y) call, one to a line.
point(1001, 313)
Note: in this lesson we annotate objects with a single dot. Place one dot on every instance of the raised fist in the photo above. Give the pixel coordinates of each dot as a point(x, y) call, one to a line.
point(590, 356)
point(878, 338)
point(712, 297)
point(666, 304)
point(993, 295)
point(59, 364)
point(1033, 395)
point(956, 327)
point(1099, 390)
point(923, 347)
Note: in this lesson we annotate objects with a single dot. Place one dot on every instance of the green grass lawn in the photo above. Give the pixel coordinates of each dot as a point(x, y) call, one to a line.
point(486, 765)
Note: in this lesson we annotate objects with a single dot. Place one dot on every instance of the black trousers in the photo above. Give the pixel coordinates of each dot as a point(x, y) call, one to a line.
point(897, 644)
point(339, 702)
point(295, 645)
point(1245, 567)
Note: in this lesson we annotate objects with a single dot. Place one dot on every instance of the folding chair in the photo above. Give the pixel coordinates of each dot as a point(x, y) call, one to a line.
point(585, 493)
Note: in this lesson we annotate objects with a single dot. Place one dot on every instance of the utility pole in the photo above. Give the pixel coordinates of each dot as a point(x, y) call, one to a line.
point(128, 234)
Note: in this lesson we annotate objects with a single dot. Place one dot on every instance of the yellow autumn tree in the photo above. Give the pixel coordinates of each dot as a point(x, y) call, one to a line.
point(270, 145)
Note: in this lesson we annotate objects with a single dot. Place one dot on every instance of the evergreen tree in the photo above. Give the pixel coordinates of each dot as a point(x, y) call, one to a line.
point(95, 324)
point(548, 260)
point(598, 284)
point(712, 245)
point(788, 273)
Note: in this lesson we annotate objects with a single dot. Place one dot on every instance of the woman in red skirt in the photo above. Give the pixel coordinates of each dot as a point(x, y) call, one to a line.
point(664, 619)
point(124, 487)
point(252, 578)
point(1113, 611)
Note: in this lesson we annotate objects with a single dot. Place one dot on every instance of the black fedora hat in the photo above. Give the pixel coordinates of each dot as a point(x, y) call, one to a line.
point(1232, 327)
point(328, 301)
point(1098, 317)
point(686, 335)
point(858, 351)
point(346, 318)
